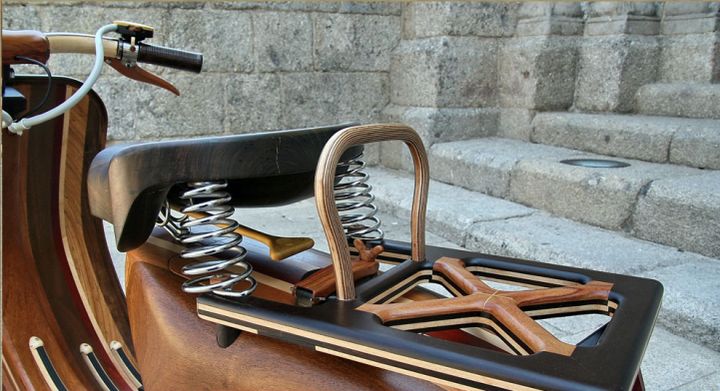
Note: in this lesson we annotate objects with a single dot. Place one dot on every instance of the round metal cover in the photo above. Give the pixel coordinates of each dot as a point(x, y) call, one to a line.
point(595, 163)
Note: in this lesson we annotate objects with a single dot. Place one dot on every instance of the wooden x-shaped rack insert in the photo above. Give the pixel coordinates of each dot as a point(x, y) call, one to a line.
point(502, 311)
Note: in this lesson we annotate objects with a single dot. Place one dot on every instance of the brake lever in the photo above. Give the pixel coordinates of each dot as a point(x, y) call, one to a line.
point(141, 75)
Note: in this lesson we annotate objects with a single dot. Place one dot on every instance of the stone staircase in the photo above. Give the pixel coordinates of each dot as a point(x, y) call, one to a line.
point(657, 217)
point(493, 225)
point(693, 100)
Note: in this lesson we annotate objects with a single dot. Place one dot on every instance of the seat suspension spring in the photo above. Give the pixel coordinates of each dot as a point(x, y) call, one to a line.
point(355, 202)
point(213, 234)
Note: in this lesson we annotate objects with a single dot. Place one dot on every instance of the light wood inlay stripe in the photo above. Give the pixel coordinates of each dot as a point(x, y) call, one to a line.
point(42, 359)
point(394, 369)
point(359, 348)
point(71, 224)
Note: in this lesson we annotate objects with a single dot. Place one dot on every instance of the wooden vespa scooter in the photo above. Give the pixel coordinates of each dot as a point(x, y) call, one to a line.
point(370, 337)
point(62, 299)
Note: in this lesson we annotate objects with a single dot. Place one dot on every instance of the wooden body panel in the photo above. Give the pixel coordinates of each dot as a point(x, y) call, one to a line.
point(176, 350)
point(337, 327)
point(59, 283)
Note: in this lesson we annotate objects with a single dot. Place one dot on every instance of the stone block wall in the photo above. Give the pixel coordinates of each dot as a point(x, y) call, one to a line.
point(267, 65)
point(452, 70)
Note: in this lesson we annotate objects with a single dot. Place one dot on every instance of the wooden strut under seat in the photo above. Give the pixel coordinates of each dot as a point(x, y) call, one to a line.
point(367, 325)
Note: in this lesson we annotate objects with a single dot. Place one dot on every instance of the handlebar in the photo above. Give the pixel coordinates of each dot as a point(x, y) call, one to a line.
point(121, 54)
point(168, 57)
point(38, 46)
point(27, 43)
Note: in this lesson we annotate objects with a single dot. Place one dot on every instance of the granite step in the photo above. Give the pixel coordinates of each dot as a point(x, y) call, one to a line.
point(491, 225)
point(686, 141)
point(644, 199)
point(694, 100)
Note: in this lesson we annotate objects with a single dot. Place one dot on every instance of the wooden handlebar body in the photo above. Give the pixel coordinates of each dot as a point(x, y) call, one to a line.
point(39, 46)
point(27, 43)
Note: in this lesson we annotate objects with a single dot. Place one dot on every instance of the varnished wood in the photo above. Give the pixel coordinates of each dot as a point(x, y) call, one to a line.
point(278, 246)
point(165, 327)
point(82, 235)
point(367, 254)
point(322, 282)
point(27, 43)
point(504, 308)
point(141, 75)
point(27, 312)
point(325, 200)
point(58, 280)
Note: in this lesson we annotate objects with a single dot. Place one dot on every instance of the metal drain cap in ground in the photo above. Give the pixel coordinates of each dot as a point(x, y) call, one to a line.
point(595, 163)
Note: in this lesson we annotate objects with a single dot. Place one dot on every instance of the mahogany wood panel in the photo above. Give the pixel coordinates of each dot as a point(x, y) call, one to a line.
point(82, 234)
point(27, 310)
point(56, 251)
point(28, 43)
point(322, 283)
point(166, 328)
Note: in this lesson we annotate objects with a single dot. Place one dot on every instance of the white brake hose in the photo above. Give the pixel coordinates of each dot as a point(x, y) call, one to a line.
point(27, 123)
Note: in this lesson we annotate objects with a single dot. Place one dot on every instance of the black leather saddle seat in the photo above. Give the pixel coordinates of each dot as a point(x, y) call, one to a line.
point(127, 184)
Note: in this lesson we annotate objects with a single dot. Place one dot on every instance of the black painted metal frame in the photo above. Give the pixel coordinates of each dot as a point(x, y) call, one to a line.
point(608, 360)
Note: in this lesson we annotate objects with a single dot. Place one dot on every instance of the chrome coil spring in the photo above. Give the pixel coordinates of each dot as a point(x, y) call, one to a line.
point(355, 202)
point(216, 229)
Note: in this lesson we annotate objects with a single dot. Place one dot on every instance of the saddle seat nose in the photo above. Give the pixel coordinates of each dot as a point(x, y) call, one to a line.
point(128, 184)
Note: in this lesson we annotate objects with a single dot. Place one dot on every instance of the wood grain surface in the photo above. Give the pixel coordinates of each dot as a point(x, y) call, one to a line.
point(83, 235)
point(478, 303)
point(27, 43)
point(167, 332)
point(325, 200)
point(58, 281)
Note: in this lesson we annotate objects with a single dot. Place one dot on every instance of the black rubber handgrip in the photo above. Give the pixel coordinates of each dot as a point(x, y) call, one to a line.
point(171, 58)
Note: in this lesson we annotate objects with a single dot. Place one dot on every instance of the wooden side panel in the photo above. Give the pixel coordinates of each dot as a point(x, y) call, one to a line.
point(166, 328)
point(26, 309)
point(82, 234)
point(58, 280)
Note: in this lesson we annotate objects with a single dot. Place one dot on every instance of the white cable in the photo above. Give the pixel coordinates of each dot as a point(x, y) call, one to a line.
point(27, 123)
point(6, 119)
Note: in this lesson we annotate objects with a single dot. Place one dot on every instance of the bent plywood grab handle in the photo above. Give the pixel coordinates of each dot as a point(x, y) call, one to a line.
point(325, 200)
